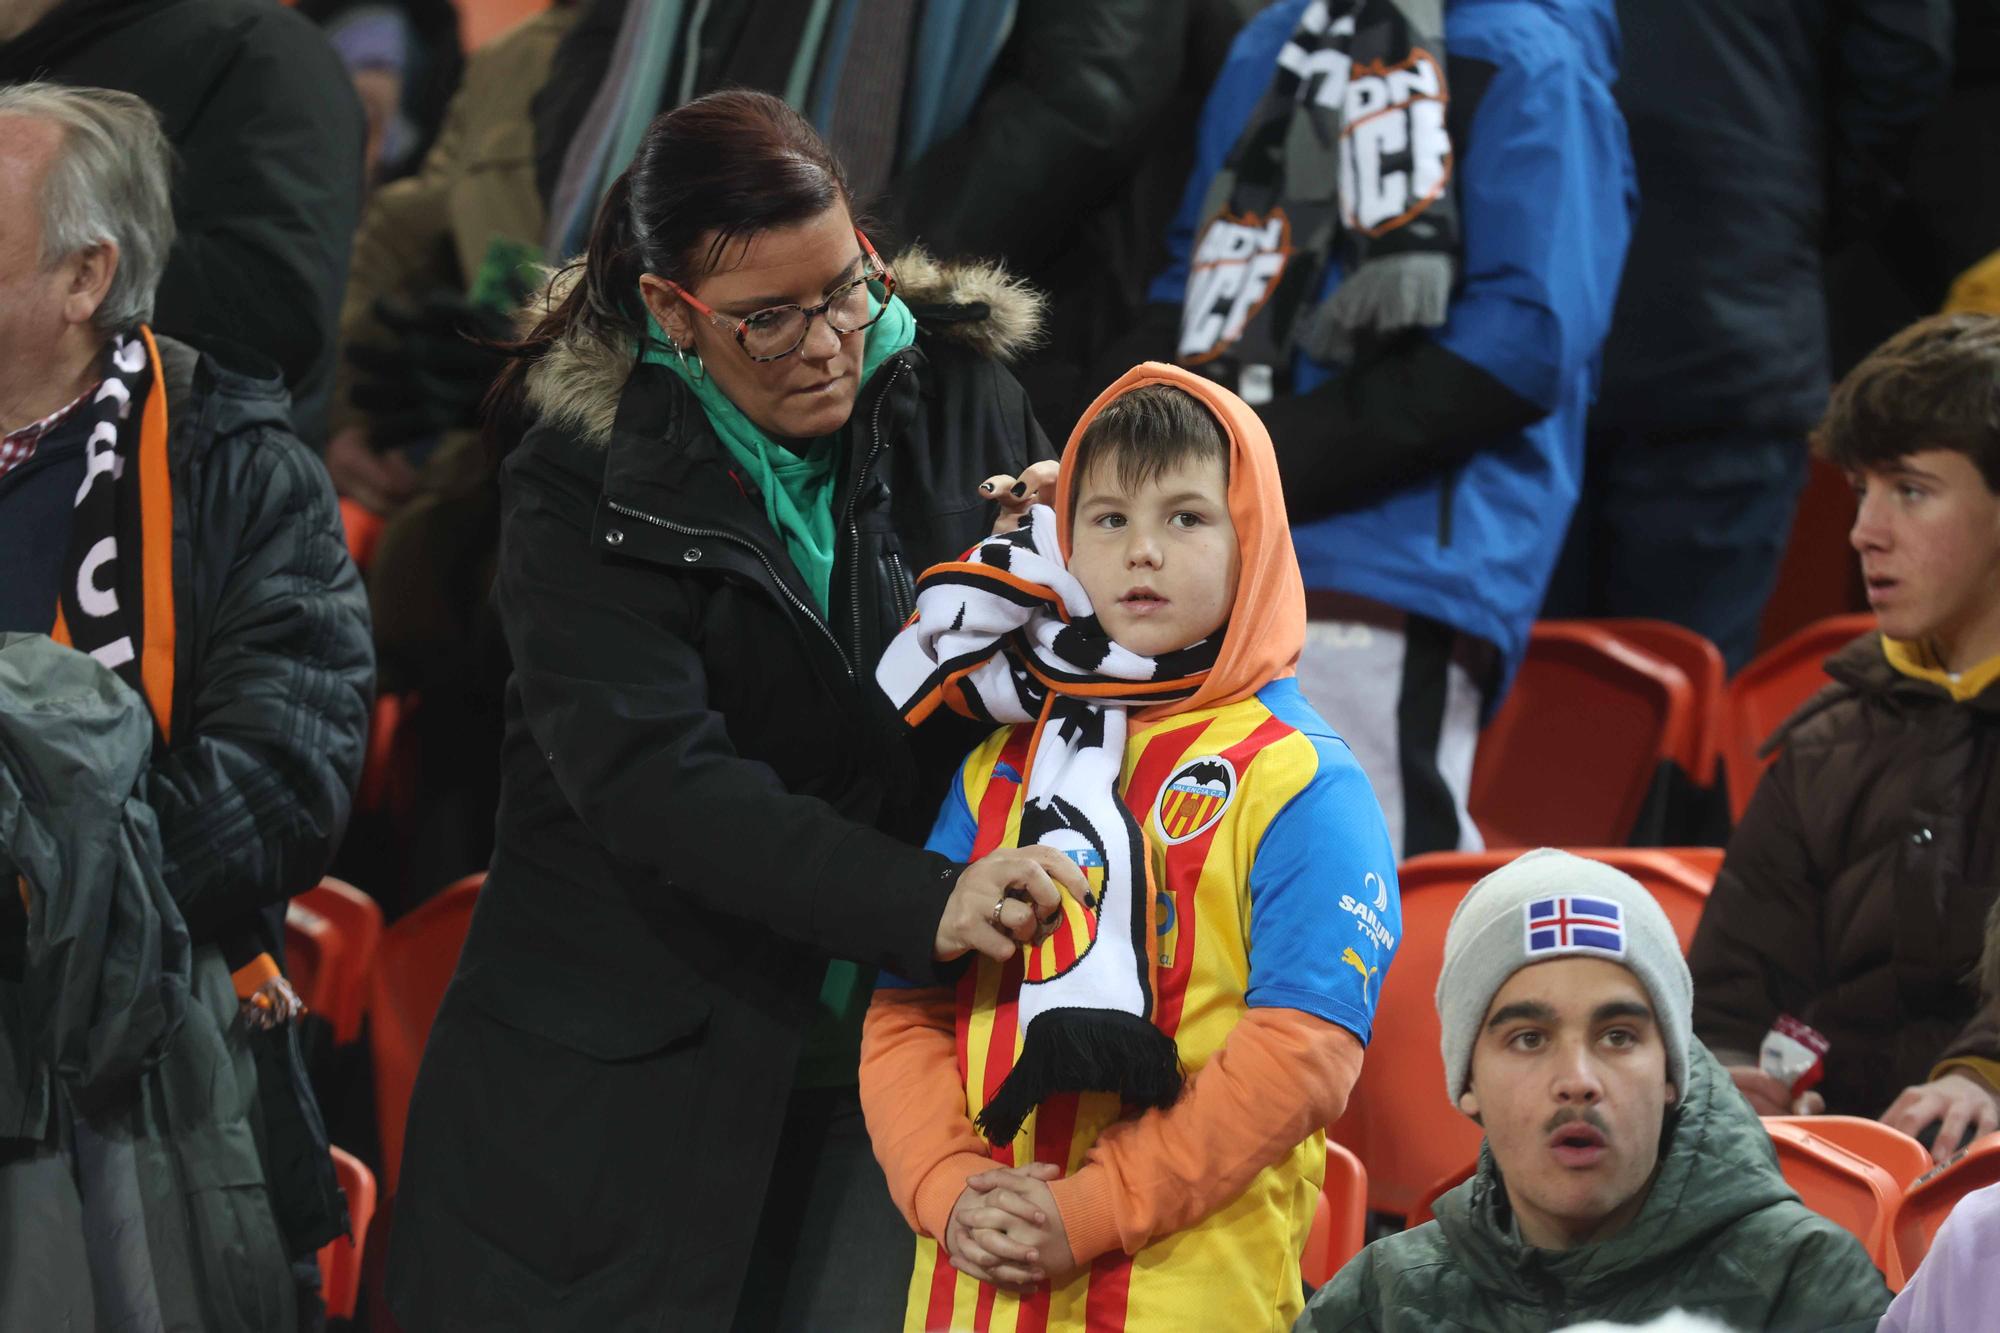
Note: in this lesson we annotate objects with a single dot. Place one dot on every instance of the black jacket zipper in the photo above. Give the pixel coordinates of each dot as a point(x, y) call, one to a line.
point(853, 527)
point(846, 663)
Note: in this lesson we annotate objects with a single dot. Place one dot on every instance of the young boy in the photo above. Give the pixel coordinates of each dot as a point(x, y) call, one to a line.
point(1855, 887)
point(1263, 888)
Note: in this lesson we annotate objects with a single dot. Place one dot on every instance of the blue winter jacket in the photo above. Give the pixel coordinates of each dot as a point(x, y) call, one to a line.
point(1438, 474)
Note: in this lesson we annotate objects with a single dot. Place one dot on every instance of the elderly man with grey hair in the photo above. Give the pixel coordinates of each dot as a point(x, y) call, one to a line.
point(158, 514)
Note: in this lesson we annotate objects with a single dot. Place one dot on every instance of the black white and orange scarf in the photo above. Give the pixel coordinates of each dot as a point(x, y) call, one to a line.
point(1008, 635)
point(1345, 160)
point(116, 601)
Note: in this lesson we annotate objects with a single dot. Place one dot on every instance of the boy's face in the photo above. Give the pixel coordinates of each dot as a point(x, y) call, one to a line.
point(1569, 1081)
point(1928, 531)
point(1160, 562)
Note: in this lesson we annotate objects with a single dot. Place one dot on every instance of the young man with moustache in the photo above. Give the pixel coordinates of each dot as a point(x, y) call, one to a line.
point(1855, 889)
point(1622, 1175)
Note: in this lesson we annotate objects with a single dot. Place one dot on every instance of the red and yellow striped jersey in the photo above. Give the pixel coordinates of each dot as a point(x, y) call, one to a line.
point(1276, 886)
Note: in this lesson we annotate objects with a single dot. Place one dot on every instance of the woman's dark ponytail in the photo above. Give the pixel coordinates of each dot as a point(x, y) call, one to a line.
point(718, 170)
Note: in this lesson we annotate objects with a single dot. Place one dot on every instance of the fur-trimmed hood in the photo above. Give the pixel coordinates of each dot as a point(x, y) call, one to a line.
point(576, 385)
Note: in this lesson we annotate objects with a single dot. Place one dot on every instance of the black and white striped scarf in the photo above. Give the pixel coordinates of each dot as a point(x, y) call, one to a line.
point(1008, 635)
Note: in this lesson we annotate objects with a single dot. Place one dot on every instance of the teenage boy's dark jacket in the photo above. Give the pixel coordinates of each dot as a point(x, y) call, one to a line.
point(1855, 891)
point(267, 190)
point(704, 797)
point(1766, 133)
point(1720, 1234)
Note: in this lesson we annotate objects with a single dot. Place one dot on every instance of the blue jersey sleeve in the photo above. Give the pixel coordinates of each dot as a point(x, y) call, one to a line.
point(952, 835)
point(1325, 918)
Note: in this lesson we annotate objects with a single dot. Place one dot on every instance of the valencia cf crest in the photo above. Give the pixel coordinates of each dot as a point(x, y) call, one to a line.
point(1194, 798)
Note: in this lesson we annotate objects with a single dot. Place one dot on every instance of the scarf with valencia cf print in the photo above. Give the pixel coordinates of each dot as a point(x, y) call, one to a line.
point(1346, 158)
point(116, 598)
point(1007, 635)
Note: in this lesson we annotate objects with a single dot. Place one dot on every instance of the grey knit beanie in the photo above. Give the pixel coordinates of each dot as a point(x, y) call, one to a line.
point(1549, 904)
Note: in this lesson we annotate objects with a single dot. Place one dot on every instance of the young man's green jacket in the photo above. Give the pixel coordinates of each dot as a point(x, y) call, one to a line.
point(1721, 1234)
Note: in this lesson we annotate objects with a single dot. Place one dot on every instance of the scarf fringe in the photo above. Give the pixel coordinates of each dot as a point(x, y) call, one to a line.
point(1085, 1050)
point(1391, 292)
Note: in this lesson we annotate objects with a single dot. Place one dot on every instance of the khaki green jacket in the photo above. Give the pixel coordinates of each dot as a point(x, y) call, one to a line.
point(477, 183)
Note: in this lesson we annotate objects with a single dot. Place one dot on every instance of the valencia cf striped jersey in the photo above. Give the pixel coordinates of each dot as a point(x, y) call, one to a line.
point(1275, 887)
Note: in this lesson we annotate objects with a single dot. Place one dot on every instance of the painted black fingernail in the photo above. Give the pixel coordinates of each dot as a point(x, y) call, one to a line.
point(1020, 488)
point(986, 486)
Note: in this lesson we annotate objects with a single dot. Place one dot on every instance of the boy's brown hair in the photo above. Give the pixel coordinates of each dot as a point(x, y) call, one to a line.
point(1935, 385)
point(1147, 432)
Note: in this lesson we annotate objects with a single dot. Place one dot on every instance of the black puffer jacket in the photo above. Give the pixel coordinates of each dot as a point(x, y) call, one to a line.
point(273, 664)
point(704, 796)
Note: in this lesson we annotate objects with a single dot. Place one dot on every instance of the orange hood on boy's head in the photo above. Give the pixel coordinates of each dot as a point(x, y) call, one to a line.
point(1267, 627)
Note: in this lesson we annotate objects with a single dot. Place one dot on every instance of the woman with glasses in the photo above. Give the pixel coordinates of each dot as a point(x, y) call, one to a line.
point(732, 435)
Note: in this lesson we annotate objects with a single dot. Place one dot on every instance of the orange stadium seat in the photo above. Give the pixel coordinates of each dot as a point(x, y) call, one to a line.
point(1701, 662)
point(331, 932)
point(1582, 740)
point(1340, 1221)
point(1421, 1212)
point(413, 966)
point(340, 1260)
point(1925, 1205)
point(1843, 1188)
point(1769, 690)
point(1891, 1149)
point(363, 528)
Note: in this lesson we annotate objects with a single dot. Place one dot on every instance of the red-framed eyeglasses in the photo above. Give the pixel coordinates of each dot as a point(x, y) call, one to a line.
point(776, 332)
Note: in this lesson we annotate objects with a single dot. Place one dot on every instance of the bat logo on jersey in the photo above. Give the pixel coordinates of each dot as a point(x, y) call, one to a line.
point(1234, 271)
point(1194, 798)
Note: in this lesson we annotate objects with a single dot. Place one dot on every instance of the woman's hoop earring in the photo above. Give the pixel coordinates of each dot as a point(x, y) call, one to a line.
point(697, 371)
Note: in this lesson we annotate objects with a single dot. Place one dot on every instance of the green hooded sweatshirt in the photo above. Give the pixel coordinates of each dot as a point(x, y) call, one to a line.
point(1721, 1235)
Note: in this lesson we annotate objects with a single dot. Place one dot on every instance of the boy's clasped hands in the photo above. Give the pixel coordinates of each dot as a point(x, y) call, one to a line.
point(1005, 1229)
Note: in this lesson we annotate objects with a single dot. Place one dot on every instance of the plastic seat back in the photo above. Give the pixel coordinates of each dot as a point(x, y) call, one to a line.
point(1340, 1219)
point(413, 966)
point(1708, 676)
point(1844, 1188)
point(1891, 1149)
point(1570, 758)
point(331, 934)
point(1770, 689)
point(1399, 1121)
point(1421, 1211)
point(1925, 1205)
point(313, 949)
point(340, 1259)
point(363, 529)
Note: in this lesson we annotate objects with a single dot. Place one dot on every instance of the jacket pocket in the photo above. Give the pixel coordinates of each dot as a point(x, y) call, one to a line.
point(532, 1149)
point(603, 1023)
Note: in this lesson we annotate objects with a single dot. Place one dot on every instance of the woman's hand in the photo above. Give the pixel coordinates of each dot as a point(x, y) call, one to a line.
point(1002, 899)
point(1036, 485)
